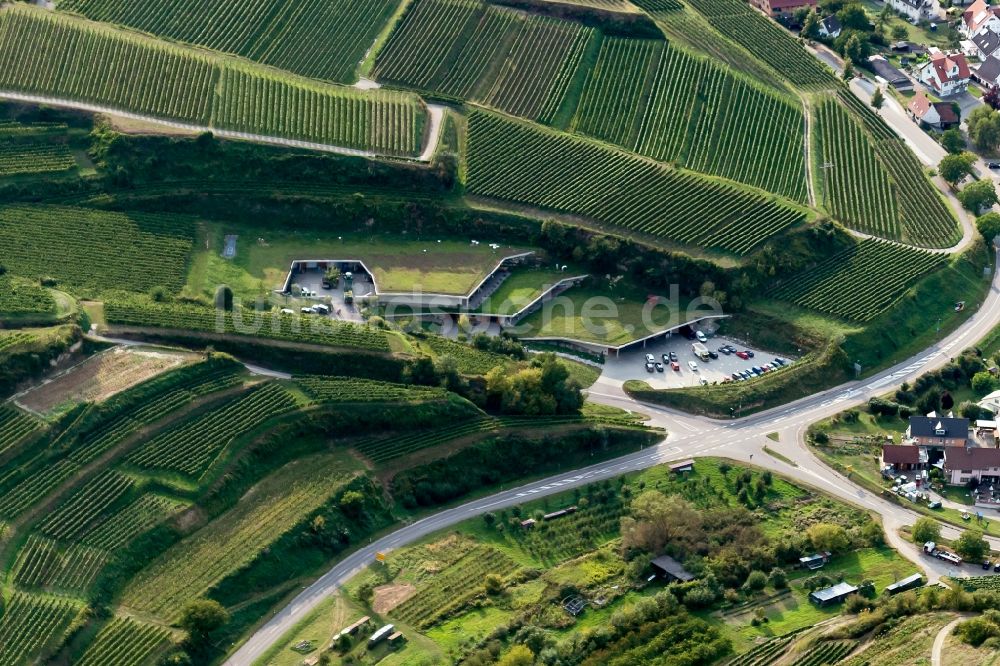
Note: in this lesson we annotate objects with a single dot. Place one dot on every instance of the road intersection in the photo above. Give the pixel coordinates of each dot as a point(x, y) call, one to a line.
point(688, 436)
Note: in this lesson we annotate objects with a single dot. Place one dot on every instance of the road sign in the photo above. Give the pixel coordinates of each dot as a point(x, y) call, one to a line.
point(380, 557)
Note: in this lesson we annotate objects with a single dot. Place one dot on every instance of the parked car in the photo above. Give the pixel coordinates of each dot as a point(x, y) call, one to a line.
point(674, 365)
point(743, 355)
point(703, 381)
point(737, 375)
point(666, 358)
point(287, 311)
point(993, 165)
point(780, 361)
point(712, 354)
point(725, 350)
point(996, 567)
point(746, 374)
point(693, 366)
point(649, 367)
point(322, 309)
point(308, 311)
point(650, 358)
point(701, 336)
point(749, 353)
point(659, 366)
point(986, 565)
point(673, 356)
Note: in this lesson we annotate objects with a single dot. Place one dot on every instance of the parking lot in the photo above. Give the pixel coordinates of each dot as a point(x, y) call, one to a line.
point(632, 364)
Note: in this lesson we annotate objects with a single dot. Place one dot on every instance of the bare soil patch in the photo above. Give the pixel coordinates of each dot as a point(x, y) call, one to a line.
point(388, 597)
point(98, 378)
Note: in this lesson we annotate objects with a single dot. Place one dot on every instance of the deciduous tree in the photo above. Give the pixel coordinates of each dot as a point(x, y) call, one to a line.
point(926, 529)
point(979, 195)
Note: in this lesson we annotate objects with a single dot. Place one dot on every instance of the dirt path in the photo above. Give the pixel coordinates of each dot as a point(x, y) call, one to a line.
point(807, 150)
point(940, 639)
point(433, 135)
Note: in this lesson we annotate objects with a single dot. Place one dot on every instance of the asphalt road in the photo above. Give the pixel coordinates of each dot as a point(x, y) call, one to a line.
point(689, 436)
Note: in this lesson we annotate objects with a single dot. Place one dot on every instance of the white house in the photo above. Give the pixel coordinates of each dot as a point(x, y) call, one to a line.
point(978, 17)
point(917, 10)
point(945, 74)
point(963, 464)
point(991, 402)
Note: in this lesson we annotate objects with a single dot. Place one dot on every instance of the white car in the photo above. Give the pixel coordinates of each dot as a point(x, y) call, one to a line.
point(321, 309)
point(693, 366)
point(287, 311)
point(308, 311)
point(701, 336)
point(650, 358)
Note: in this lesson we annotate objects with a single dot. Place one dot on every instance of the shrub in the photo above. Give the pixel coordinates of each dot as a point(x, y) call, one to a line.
point(778, 579)
point(756, 581)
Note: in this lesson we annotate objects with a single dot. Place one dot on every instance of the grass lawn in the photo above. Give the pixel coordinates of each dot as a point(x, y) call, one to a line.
point(263, 256)
point(522, 287)
point(603, 316)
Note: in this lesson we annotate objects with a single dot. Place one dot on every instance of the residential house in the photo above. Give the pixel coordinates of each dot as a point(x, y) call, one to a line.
point(937, 431)
point(830, 27)
point(832, 595)
point(671, 569)
point(988, 73)
point(939, 115)
point(986, 42)
point(915, 10)
point(965, 464)
point(991, 402)
point(890, 74)
point(945, 74)
point(979, 16)
point(779, 7)
point(904, 457)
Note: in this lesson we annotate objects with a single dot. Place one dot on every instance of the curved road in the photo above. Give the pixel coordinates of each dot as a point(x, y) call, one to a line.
point(688, 436)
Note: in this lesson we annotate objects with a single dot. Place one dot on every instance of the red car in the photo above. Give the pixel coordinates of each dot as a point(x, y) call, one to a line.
point(743, 355)
point(674, 365)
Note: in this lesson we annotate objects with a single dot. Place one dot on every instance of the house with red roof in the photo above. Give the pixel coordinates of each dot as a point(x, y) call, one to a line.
point(978, 17)
point(964, 464)
point(945, 74)
point(903, 457)
point(779, 7)
point(939, 115)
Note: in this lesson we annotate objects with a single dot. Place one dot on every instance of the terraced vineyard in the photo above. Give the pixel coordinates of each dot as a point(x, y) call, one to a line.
point(861, 282)
point(927, 220)
point(133, 73)
point(190, 567)
point(764, 654)
point(767, 41)
point(125, 642)
point(310, 330)
point(193, 446)
point(29, 149)
point(471, 361)
point(385, 122)
point(323, 40)
point(974, 583)
point(856, 188)
point(118, 529)
point(467, 49)
point(20, 490)
point(354, 389)
point(20, 297)
point(15, 425)
point(42, 563)
point(529, 165)
point(29, 624)
point(825, 653)
point(10, 340)
point(94, 250)
point(873, 182)
point(453, 586)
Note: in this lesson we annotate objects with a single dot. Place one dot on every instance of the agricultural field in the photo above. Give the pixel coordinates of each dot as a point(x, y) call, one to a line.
point(123, 642)
point(97, 379)
point(33, 149)
point(137, 74)
point(311, 329)
point(15, 427)
point(471, 361)
point(193, 446)
point(521, 64)
point(189, 568)
point(529, 165)
point(21, 299)
point(31, 624)
point(767, 41)
point(91, 251)
point(328, 390)
point(658, 100)
point(861, 282)
point(873, 182)
point(323, 40)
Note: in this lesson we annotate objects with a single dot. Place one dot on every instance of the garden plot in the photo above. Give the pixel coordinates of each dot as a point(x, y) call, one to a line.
point(98, 378)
